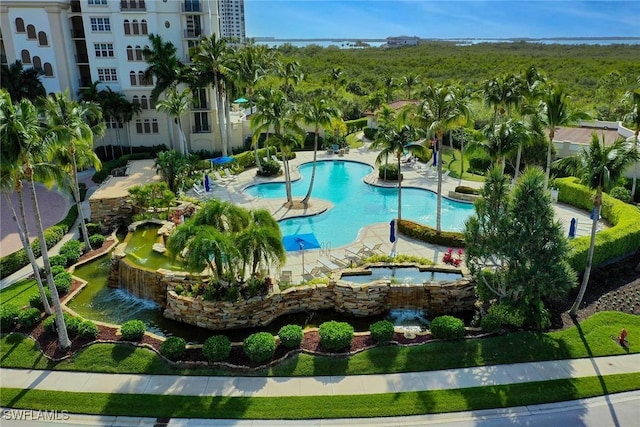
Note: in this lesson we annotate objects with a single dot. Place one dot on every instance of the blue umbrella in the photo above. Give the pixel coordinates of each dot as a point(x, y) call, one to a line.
point(223, 160)
point(392, 231)
point(299, 242)
point(207, 184)
point(435, 158)
point(572, 228)
point(241, 101)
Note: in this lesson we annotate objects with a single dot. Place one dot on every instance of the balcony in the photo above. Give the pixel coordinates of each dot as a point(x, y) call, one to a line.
point(192, 34)
point(77, 33)
point(201, 129)
point(133, 6)
point(201, 105)
point(75, 6)
point(191, 6)
point(82, 58)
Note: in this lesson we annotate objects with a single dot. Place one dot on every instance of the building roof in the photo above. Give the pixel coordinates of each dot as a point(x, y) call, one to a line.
point(582, 135)
point(395, 105)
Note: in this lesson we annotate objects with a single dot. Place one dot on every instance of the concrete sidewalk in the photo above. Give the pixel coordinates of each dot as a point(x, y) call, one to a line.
point(87, 382)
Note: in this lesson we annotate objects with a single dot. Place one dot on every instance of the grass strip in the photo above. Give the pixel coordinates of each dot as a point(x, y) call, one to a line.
point(594, 337)
point(307, 407)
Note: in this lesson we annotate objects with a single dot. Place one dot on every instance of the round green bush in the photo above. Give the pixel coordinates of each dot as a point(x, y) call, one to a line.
point(36, 302)
point(96, 240)
point(57, 269)
point(133, 330)
point(74, 325)
point(49, 323)
point(63, 282)
point(269, 168)
point(291, 336)
point(447, 328)
point(216, 348)
point(259, 347)
point(336, 336)
point(490, 323)
point(72, 250)
point(382, 331)
point(621, 193)
point(173, 347)
point(29, 317)
point(8, 316)
point(58, 260)
point(388, 171)
point(88, 330)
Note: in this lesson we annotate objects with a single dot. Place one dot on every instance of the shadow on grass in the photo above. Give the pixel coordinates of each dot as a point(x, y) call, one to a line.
point(120, 352)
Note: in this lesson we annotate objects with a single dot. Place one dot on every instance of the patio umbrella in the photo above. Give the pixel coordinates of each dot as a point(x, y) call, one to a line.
point(223, 160)
point(241, 101)
point(299, 242)
point(207, 183)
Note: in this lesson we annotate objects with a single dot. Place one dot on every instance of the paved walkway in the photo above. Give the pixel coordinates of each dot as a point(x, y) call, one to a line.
point(83, 382)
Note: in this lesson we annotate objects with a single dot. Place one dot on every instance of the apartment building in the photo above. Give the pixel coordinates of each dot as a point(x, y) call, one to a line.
point(232, 24)
point(79, 42)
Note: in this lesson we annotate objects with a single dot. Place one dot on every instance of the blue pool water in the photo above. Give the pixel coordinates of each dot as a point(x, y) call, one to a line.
point(408, 275)
point(357, 204)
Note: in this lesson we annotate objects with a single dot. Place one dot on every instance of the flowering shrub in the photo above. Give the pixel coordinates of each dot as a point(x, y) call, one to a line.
point(449, 257)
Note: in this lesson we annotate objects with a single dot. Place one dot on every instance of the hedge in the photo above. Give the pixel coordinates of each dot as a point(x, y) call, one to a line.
point(623, 238)
point(13, 262)
point(355, 125)
point(427, 234)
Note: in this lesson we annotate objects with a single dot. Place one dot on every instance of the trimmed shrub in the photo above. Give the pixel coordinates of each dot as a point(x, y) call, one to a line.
point(93, 228)
point(621, 193)
point(355, 125)
point(72, 251)
point(96, 240)
point(507, 314)
point(291, 336)
point(74, 325)
point(29, 317)
point(133, 330)
point(36, 302)
point(63, 282)
point(463, 189)
point(370, 133)
point(259, 347)
point(216, 348)
point(447, 328)
point(382, 331)
point(427, 234)
point(490, 323)
point(173, 347)
point(336, 336)
point(58, 260)
point(49, 323)
point(388, 172)
point(88, 330)
point(269, 168)
point(57, 269)
point(8, 316)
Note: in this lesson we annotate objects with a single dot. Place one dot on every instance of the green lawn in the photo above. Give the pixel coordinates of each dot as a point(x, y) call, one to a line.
point(19, 292)
point(304, 407)
point(453, 159)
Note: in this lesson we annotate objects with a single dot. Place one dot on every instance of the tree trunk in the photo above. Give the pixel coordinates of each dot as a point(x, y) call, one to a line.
point(23, 232)
point(183, 139)
point(518, 157)
point(63, 337)
point(587, 270)
point(439, 194)
point(548, 169)
point(76, 195)
point(287, 177)
point(227, 113)
point(171, 141)
point(461, 161)
point(218, 97)
point(313, 170)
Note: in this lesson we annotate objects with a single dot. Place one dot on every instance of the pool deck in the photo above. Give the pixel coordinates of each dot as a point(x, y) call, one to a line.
point(300, 263)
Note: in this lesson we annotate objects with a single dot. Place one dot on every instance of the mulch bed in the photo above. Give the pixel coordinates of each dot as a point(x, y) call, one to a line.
point(621, 277)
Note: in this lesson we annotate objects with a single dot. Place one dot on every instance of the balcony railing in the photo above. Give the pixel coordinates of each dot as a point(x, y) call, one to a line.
point(203, 105)
point(191, 6)
point(192, 34)
point(133, 6)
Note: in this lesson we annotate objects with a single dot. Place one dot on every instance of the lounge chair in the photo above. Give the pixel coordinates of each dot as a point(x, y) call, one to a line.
point(220, 178)
point(198, 189)
point(445, 176)
point(274, 158)
point(229, 175)
point(330, 264)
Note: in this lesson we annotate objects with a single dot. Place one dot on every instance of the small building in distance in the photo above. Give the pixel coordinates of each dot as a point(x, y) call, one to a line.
point(402, 41)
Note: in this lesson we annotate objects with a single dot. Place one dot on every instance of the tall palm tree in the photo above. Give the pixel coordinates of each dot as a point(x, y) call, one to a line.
point(173, 167)
point(555, 112)
point(164, 64)
point(599, 167)
point(393, 140)
point(28, 148)
point(409, 81)
point(176, 104)
point(317, 112)
point(336, 77)
point(11, 176)
point(210, 58)
point(272, 104)
point(128, 111)
point(113, 104)
point(632, 99)
point(68, 123)
point(21, 83)
point(502, 93)
point(440, 111)
point(389, 85)
point(287, 139)
point(501, 139)
point(291, 75)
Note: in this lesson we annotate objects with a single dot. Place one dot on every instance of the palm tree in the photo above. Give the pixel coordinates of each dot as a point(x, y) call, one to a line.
point(555, 112)
point(176, 105)
point(27, 148)
point(173, 167)
point(286, 139)
point(440, 111)
point(501, 139)
point(600, 168)
point(164, 64)
point(336, 77)
point(290, 72)
point(409, 81)
point(68, 123)
point(113, 104)
point(502, 93)
point(261, 242)
point(210, 58)
point(317, 112)
point(128, 111)
point(271, 105)
point(633, 117)
point(21, 83)
point(11, 175)
point(394, 140)
point(389, 85)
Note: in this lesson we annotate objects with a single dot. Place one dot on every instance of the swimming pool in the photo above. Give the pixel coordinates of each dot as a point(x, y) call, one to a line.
point(358, 204)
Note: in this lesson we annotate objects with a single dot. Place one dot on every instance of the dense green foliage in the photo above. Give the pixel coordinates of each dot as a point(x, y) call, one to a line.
point(133, 330)
point(382, 331)
point(290, 336)
point(8, 316)
point(259, 346)
point(29, 317)
point(72, 250)
point(336, 336)
point(427, 234)
point(621, 239)
point(173, 347)
point(216, 348)
point(447, 328)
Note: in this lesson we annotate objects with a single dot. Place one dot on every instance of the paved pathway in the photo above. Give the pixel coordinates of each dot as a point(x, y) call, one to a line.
point(337, 385)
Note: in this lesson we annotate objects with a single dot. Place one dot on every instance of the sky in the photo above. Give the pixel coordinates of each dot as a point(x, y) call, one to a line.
point(441, 19)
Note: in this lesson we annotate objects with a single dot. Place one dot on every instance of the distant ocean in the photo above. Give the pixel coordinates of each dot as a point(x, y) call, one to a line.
point(352, 43)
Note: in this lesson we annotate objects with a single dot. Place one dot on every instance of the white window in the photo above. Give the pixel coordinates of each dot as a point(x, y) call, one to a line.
point(147, 126)
point(107, 75)
point(103, 50)
point(100, 24)
point(97, 2)
point(113, 123)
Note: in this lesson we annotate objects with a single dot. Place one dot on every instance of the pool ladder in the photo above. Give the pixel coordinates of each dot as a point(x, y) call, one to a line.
point(325, 248)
